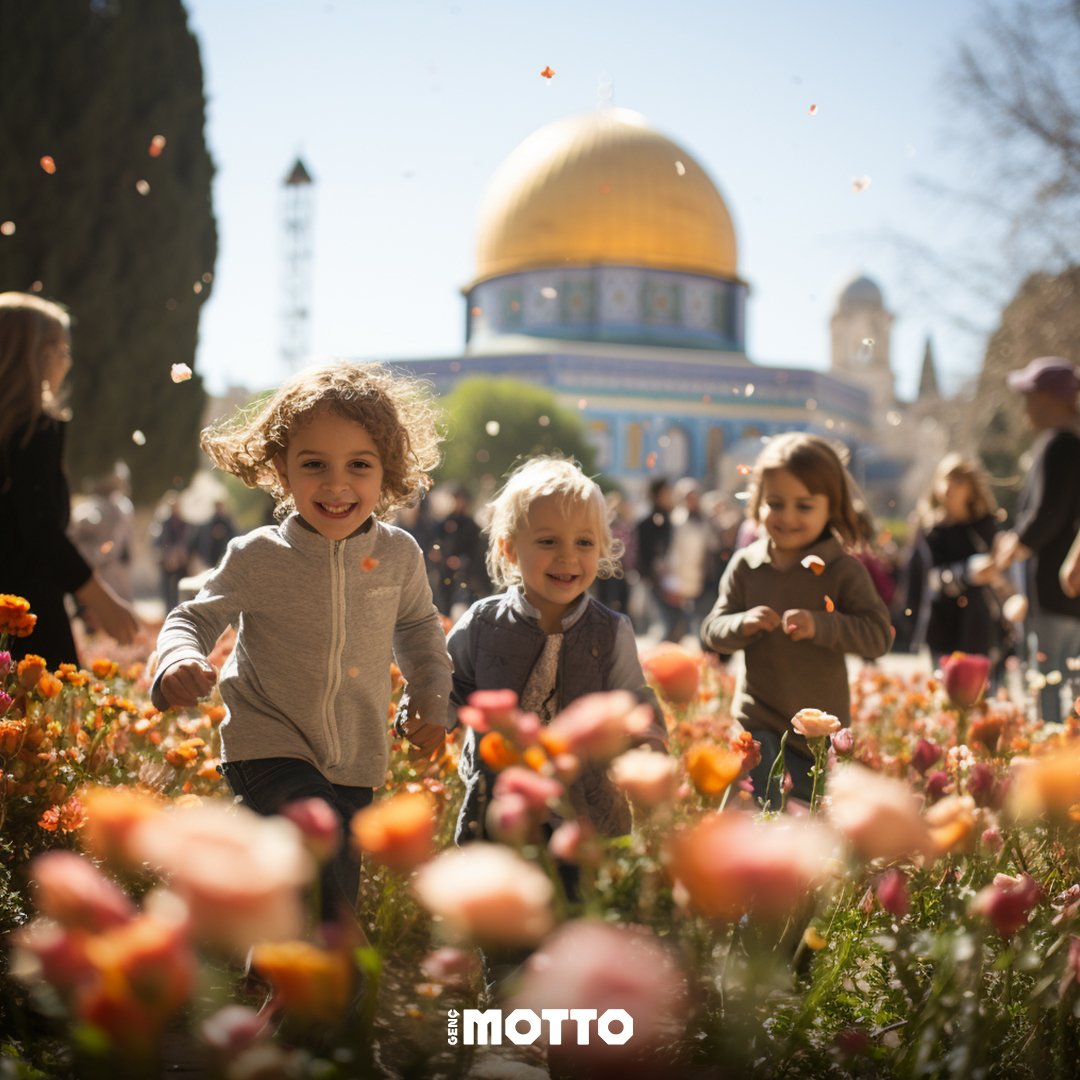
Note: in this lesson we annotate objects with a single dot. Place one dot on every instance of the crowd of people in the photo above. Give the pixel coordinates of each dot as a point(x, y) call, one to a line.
point(549, 584)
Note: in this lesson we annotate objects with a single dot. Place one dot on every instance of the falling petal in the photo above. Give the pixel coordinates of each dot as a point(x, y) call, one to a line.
point(749, 391)
point(680, 168)
point(138, 438)
point(492, 428)
point(7, 228)
point(157, 145)
point(208, 277)
point(548, 72)
point(812, 110)
point(36, 286)
point(549, 293)
point(582, 403)
point(369, 563)
point(815, 563)
point(859, 184)
point(543, 421)
point(744, 470)
point(868, 342)
point(650, 460)
point(197, 288)
point(47, 164)
point(829, 605)
point(180, 373)
point(353, 672)
point(142, 187)
point(476, 312)
point(106, 547)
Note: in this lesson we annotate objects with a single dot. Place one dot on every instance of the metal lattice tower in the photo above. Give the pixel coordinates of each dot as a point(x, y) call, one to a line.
point(298, 206)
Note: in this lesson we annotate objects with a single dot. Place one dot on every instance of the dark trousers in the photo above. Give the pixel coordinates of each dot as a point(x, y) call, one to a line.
point(794, 763)
point(265, 785)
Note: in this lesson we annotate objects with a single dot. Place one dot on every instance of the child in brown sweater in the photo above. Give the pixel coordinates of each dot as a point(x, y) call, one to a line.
point(795, 601)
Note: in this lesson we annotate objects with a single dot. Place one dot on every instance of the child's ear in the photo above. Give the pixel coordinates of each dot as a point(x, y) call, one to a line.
point(278, 461)
point(507, 549)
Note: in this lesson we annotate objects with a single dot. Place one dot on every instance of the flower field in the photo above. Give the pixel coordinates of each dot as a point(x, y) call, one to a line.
point(920, 919)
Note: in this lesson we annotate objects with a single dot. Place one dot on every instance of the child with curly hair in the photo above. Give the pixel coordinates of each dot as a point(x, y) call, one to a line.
point(322, 602)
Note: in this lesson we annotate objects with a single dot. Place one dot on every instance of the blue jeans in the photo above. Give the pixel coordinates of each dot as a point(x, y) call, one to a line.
point(1058, 638)
point(265, 785)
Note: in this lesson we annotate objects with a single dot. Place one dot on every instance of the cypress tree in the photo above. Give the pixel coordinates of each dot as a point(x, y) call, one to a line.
point(122, 232)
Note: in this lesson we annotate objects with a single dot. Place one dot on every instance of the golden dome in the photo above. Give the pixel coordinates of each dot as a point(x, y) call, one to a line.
point(603, 187)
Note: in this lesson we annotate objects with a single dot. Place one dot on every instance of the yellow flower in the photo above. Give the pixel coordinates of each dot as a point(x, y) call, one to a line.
point(712, 768)
point(311, 982)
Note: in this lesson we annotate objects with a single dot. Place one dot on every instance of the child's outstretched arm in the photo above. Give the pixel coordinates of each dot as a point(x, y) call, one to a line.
point(420, 651)
point(730, 625)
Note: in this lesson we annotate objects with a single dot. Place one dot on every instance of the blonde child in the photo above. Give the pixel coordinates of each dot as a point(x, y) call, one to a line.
point(321, 602)
point(545, 637)
point(38, 560)
point(793, 624)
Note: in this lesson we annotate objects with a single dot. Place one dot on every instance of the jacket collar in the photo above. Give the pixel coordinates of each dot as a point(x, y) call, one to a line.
point(514, 600)
point(300, 535)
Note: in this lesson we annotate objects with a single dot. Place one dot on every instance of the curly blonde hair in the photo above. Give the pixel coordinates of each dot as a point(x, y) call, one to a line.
point(28, 326)
point(394, 408)
point(537, 478)
point(954, 466)
point(819, 467)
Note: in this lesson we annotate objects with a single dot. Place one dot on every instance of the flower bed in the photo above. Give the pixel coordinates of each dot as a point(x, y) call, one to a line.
point(921, 918)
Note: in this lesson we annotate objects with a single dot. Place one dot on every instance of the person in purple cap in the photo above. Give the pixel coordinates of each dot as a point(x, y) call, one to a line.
point(1048, 515)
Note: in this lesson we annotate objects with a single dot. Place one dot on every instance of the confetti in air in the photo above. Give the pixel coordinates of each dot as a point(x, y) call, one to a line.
point(369, 563)
point(548, 72)
point(829, 605)
point(138, 438)
point(47, 164)
point(142, 187)
point(650, 461)
point(7, 228)
point(859, 184)
point(815, 563)
point(812, 110)
point(157, 145)
point(680, 168)
point(492, 428)
point(868, 342)
point(180, 373)
point(745, 470)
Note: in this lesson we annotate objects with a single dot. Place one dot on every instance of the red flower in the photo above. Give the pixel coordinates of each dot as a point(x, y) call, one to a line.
point(964, 676)
point(1007, 902)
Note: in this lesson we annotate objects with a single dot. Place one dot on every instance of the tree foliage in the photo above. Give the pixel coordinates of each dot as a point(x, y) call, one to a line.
point(1017, 80)
point(493, 422)
point(1042, 319)
point(89, 83)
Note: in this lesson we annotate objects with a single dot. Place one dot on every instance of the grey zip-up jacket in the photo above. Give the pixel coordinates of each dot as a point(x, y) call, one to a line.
point(318, 623)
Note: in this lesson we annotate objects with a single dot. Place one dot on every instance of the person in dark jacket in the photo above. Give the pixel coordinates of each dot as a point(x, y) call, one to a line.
point(1048, 516)
point(37, 560)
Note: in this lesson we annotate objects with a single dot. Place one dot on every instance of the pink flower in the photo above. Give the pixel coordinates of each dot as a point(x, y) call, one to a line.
point(843, 742)
point(490, 710)
point(992, 840)
point(1007, 902)
point(234, 1028)
point(71, 890)
point(487, 893)
point(511, 820)
point(675, 672)
point(924, 755)
point(879, 816)
point(646, 777)
point(46, 951)
point(574, 843)
point(5, 701)
point(964, 676)
point(538, 791)
point(597, 727)
point(5, 663)
point(983, 786)
point(892, 892)
point(728, 864)
point(451, 967)
point(240, 873)
point(938, 784)
point(319, 824)
point(813, 723)
point(592, 965)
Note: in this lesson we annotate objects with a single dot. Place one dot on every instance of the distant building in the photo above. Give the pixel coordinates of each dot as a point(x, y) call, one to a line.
point(607, 271)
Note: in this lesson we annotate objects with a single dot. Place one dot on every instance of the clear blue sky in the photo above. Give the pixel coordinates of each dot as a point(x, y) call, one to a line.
point(402, 110)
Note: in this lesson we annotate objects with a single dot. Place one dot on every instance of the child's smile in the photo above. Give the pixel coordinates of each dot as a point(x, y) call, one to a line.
point(557, 551)
point(334, 473)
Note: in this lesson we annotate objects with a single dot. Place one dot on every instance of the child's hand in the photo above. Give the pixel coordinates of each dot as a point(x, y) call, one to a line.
point(184, 683)
point(799, 624)
point(759, 619)
point(425, 738)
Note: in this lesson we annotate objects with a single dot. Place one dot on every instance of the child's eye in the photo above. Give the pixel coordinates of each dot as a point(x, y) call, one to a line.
point(311, 465)
point(361, 464)
point(586, 543)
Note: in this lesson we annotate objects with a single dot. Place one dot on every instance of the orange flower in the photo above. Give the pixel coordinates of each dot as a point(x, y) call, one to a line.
point(675, 671)
point(713, 768)
point(31, 668)
point(49, 685)
point(312, 983)
point(184, 753)
point(548, 72)
point(15, 617)
point(111, 817)
point(70, 674)
point(11, 736)
point(1047, 785)
point(496, 752)
point(398, 831)
point(105, 669)
point(952, 823)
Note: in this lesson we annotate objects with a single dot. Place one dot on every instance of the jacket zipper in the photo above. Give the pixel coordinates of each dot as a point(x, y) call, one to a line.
point(337, 647)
